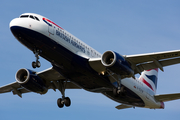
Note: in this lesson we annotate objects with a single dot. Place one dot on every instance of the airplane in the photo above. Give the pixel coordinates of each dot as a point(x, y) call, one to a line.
point(76, 65)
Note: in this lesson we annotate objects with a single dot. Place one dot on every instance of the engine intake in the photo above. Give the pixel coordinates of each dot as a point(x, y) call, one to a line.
point(30, 81)
point(116, 63)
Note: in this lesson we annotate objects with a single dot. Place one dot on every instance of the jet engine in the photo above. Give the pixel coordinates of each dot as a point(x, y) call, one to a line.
point(117, 64)
point(31, 81)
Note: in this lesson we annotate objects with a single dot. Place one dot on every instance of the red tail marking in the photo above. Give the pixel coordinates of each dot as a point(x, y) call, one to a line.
point(145, 82)
point(153, 69)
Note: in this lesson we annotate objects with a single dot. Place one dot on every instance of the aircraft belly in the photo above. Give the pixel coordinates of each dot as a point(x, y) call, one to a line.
point(70, 65)
point(127, 97)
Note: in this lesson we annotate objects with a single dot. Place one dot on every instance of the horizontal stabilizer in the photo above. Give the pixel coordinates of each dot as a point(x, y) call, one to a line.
point(167, 97)
point(123, 106)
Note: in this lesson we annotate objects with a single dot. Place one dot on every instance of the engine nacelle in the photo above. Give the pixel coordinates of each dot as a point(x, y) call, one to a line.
point(30, 81)
point(117, 64)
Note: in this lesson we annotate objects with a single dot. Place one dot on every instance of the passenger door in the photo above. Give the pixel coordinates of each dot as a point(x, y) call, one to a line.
point(51, 29)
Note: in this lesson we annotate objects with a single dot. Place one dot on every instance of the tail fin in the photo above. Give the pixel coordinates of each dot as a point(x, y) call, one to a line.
point(149, 77)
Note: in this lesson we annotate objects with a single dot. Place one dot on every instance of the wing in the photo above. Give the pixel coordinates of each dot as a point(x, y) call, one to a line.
point(50, 75)
point(14, 87)
point(167, 97)
point(123, 106)
point(143, 62)
point(96, 64)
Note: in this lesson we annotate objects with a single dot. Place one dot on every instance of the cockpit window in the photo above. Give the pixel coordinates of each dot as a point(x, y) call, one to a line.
point(24, 16)
point(36, 18)
point(30, 16)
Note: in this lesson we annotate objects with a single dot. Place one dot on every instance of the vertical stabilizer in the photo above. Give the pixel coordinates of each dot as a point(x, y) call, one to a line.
point(149, 78)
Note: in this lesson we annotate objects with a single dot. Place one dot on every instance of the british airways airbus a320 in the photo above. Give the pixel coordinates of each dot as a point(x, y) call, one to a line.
point(75, 65)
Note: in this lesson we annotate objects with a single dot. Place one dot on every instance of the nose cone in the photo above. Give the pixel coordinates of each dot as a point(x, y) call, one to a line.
point(14, 22)
point(17, 28)
point(18, 22)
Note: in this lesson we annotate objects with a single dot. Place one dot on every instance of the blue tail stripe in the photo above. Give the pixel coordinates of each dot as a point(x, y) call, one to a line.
point(153, 78)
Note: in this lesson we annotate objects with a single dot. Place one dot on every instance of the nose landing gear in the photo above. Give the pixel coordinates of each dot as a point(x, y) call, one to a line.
point(36, 63)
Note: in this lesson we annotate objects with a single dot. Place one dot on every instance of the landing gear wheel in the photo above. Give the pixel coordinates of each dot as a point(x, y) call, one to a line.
point(115, 92)
point(34, 64)
point(118, 91)
point(60, 103)
point(38, 64)
point(67, 101)
point(61, 85)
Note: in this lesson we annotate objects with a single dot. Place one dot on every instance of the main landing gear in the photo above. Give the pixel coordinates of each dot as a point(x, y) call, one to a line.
point(61, 85)
point(63, 101)
point(116, 91)
point(36, 63)
point(119, 89)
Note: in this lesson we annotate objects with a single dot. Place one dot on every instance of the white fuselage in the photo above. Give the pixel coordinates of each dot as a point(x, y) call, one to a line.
point(144, 92)
point(76, 46)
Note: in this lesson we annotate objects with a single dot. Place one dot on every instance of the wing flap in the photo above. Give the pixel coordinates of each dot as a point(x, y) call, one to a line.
point(167, 97)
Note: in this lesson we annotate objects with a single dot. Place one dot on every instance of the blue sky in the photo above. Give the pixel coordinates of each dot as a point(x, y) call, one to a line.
point(125, 26)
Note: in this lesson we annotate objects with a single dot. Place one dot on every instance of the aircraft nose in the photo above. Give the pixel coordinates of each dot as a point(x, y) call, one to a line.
point(13, 25)
point(17, 24)
point(14, 22)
